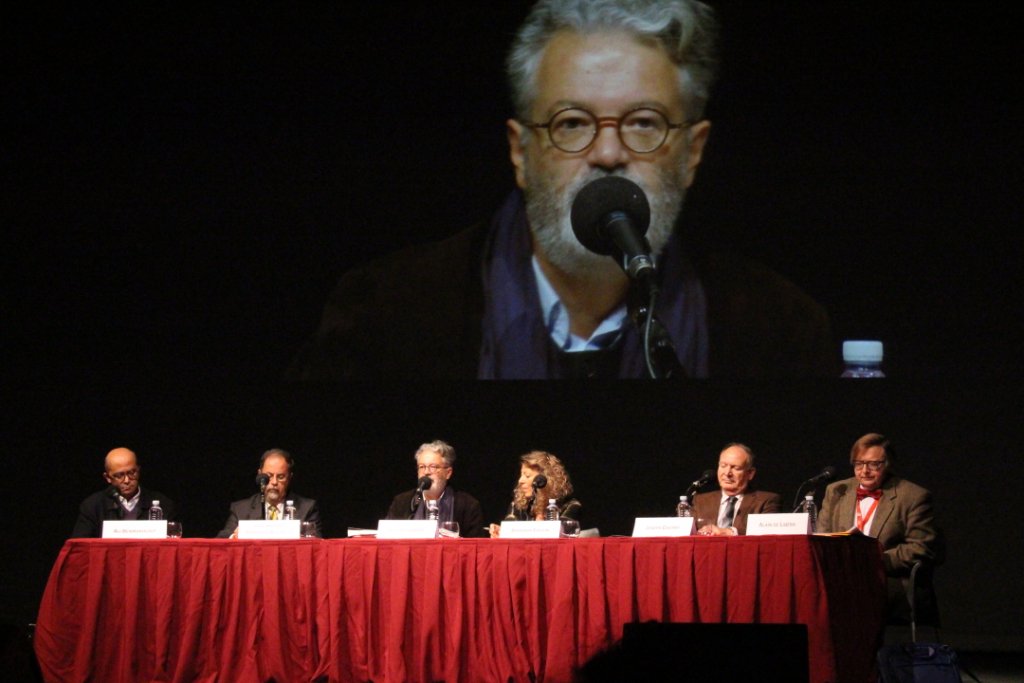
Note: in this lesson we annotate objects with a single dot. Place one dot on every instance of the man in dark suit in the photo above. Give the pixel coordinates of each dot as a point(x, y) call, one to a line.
point(600, 89)
point(435, 460)
point(123, 499)
point(724, 512)
point(895, 511)
point(278, 467)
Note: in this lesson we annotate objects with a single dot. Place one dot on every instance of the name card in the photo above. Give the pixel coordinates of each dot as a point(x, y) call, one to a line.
point(269, 528)
point(545, 529)
point(407, 528)
point(662, 526)
point(135, 528)
point(777, 524)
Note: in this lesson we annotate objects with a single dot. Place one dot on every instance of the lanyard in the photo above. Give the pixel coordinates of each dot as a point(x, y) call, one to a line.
point(862, 520)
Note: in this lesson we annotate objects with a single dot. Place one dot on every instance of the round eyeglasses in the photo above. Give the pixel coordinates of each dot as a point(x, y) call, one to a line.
point(641, 130)
point(120, 476)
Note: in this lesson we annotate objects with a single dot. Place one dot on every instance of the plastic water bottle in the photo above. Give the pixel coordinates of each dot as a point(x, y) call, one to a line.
point(551, 511)
point(862, 359)
point(289, 509)
point(155, 511)
point(811, 509)
point(684, 509)
point(433, 512)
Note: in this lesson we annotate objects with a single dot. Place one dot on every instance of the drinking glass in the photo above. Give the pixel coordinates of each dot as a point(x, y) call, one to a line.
point(570, 528)
point(173, 529)
point(308, 530)
point(449, 529)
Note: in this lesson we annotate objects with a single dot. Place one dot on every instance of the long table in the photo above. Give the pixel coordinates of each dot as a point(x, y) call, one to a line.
point(425, 610)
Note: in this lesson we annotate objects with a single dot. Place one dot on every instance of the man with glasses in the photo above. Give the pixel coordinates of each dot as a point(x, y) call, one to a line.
point(600, 88)
point(434, 460)
point(124, 498)
point(277, 469)
point(880, 504)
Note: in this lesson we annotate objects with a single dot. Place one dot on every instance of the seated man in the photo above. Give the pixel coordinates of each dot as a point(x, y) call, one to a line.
point(435, 460)
point(123, 499)
point(895, 511)
point(724, 512)
point(601, 88)
point(279, 468)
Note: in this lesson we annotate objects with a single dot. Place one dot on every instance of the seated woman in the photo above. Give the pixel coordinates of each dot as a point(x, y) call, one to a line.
point(541, 477)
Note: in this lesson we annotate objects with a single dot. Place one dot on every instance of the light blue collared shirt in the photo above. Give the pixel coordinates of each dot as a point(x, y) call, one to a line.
point(556, 319)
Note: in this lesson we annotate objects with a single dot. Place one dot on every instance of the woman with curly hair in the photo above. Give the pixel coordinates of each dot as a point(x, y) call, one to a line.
point(541, 477)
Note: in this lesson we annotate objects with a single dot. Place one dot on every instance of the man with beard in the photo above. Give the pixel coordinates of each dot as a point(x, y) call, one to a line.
point(124, 498)
point(601, 88)
point(434, 460)
point(278, 467)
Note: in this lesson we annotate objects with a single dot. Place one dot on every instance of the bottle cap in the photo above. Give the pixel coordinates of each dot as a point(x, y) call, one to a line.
point(289, 502)
point(156, 502)
point(551, 501)
point(683, 499)
point(809, 496)
point(862, 351)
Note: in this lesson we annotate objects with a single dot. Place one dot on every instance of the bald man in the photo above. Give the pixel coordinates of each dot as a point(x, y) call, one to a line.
point(123, 498)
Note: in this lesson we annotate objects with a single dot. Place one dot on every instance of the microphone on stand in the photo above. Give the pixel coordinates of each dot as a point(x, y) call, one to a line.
point(825, 475)
point(700, 483)
point(422, 485)
point(262, 479)
point(610, 216)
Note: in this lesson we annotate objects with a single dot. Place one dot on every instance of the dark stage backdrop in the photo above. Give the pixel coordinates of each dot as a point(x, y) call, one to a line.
point(182, 187)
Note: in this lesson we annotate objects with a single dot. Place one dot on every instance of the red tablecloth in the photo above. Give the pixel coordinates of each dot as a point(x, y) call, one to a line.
point(452, 610)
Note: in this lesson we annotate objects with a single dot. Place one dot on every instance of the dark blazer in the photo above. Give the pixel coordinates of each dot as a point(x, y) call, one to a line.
point(102, 505)
point(903, 523)
point(381, 319)
point(465, 510)
point(706, 506)
point(251, 508)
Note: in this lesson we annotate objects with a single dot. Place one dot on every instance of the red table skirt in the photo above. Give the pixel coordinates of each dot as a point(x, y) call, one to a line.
point(451, 610)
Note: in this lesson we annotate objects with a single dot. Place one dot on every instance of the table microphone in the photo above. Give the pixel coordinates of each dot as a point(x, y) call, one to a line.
point(422, 485)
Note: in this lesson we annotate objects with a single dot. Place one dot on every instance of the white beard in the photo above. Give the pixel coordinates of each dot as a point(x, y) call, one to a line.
point(549, 212)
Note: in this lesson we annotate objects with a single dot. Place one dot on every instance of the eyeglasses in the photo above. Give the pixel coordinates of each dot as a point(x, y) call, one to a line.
point(120, 476)
point(279, 477)
point(431, 468)
point(873, 465)
point(641, 130)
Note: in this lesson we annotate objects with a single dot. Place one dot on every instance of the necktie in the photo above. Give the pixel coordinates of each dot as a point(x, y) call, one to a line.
point(730, 511)
point(273, 512)
point(864, 493)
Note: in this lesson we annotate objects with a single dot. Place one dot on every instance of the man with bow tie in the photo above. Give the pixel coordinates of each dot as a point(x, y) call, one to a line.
point(895, 511)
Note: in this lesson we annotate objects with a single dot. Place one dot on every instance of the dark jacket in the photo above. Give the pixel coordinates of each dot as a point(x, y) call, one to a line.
point(417, 314)
point(465, 510)
point(102, 505)
point(252, 508)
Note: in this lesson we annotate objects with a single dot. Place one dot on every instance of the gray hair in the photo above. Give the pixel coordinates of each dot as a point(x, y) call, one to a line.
point(743, 447)
point(445, 450)
point(685, 29)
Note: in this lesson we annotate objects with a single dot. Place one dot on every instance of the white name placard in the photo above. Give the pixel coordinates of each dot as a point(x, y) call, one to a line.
point(777, 524)
point(662, 526)
point(546, 529)
point(269, 528)
point(407, 528)
point(134, 528)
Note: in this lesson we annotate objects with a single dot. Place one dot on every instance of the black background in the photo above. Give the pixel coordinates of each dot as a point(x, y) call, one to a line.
point(183, 186)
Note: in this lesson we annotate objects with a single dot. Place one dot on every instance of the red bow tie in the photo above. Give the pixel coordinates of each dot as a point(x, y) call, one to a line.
point(864, 493)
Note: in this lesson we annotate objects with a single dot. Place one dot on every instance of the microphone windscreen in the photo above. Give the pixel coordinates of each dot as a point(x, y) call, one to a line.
point(424, 483)
point(600, 198)
point(540, 481)
point(829, 472)
point(708, 474)
point(262, 480)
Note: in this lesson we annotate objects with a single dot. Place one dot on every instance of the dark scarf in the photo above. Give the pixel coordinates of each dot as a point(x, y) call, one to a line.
point(516, 344)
